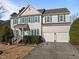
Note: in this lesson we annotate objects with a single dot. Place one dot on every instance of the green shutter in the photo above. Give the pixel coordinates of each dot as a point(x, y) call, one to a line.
point(23, 20)
point(45, 19)
point(38, 19)
point(58, 18)
point(64, 18)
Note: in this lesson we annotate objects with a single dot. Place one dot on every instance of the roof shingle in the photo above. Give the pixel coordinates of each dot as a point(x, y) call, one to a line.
point(54, 11)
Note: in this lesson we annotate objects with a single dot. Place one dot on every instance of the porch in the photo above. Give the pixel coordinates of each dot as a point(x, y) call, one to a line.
point(18, 34)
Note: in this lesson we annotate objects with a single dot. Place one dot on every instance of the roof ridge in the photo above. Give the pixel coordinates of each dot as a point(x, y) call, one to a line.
point(56, 8)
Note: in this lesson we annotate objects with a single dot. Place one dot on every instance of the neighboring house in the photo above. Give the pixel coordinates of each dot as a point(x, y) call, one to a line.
point(52, 24)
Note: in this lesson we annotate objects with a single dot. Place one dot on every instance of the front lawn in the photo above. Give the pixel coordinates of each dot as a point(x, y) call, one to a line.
point(14, 51)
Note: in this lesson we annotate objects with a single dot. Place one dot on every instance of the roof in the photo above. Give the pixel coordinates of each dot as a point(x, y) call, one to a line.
point(48, 11)
point(22, 26)
point(41, 10)
point(54, 11)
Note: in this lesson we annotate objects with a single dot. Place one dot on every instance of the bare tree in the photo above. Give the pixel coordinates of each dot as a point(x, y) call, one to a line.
point(2, 10)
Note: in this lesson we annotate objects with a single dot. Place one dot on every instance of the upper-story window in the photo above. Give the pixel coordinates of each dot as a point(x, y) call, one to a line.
point(16, 21)
point(61, 18)
point(36, 18)
point(22, 20)
point(31, 19)
point(28, 19)
point(48, 19)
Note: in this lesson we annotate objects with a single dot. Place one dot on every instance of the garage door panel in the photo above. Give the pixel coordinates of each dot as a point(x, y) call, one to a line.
point(62, 37)
point(49, 37)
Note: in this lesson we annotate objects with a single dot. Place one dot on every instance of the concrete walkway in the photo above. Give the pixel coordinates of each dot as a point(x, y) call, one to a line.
point(54, 51)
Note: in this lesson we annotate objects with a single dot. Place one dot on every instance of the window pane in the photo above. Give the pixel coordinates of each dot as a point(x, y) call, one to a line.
point(26, 20)
point(34, 32)
point(48, 18)
point(29, 19)
point(36, 19)
point(37, 31)
point(16, 21)
point(61, 17)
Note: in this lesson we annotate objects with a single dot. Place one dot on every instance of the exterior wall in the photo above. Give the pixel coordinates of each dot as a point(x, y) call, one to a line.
point(14, 29)
point(56, 29)
point(67, 18)
point(11, 24)
point(35, 26)
point(30, 11)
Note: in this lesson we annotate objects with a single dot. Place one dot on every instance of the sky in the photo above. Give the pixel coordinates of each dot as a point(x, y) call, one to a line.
point(16, 5)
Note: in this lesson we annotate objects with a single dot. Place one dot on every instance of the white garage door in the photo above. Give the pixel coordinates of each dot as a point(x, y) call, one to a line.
point(49, 37)
point(62, 37)
point(59, 37)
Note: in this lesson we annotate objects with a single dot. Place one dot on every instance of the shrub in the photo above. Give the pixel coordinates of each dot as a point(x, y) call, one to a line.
point(27, 39)
point(74, 32)
point(6, 34)
point(32, 39)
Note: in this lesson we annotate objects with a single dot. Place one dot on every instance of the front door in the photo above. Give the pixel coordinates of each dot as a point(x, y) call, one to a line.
point(17, 33)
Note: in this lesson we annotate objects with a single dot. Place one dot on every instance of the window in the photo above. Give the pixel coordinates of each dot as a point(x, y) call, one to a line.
point(37, 19)
point(34, 31)
point(61, 18)
point(16, 21)
point(17, 32)
point(28, 31)
point(26, 20)
point(29, 19)
point(22, 20)
point(37, 31)
point(32, 19)
point(48, 19)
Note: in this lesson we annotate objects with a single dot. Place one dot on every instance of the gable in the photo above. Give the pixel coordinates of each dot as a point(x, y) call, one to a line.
point(30, 11)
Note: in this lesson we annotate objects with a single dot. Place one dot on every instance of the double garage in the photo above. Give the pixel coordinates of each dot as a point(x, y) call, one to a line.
point(56, 33)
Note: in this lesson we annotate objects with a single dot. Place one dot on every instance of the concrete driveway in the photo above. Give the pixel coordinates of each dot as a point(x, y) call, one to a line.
point(54, 51)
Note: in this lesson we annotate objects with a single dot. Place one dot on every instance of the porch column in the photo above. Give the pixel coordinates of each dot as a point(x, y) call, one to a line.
point(22, 33)
point(15, 32)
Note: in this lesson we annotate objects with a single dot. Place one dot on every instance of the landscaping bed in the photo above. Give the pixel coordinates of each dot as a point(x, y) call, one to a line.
point(14, 51)
point(76, 46)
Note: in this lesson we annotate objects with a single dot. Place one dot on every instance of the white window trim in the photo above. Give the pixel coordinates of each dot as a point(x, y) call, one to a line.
point(59, 18)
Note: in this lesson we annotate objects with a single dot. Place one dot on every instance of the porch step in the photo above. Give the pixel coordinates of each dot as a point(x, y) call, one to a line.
point(16, 40)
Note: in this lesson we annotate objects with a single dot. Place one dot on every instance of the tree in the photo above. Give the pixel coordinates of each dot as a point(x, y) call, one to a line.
point(74, 32)
point(2, 10)
point(6, 34)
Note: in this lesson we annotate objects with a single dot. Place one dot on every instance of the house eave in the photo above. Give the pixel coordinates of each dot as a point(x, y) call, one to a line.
point(57, 24)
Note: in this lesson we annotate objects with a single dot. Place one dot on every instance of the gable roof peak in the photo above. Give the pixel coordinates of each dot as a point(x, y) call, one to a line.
point(29, 5)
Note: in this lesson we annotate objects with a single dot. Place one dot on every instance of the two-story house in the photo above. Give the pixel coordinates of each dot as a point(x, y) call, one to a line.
point(52, 24)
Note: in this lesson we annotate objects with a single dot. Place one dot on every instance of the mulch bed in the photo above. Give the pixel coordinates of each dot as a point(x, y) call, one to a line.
point(76, 46)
